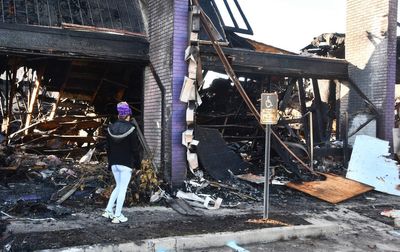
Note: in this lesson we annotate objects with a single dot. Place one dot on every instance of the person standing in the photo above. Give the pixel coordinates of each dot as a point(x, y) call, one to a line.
point(123, 156)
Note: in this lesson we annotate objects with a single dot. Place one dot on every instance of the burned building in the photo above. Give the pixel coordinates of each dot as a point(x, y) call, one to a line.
point(54, 54)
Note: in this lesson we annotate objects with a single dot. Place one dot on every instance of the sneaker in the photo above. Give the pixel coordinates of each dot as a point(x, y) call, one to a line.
point(108, 215)
point(119, 219)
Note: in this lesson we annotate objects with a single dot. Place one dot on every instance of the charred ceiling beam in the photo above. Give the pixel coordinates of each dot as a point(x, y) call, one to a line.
point(23, 39)
point(252, 62)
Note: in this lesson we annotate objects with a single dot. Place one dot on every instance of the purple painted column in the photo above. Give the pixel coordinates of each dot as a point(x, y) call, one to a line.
point(179, 70)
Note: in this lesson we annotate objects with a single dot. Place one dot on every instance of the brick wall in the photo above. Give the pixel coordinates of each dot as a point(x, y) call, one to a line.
point(167, 29)
point(160, 34)
point(371, 51)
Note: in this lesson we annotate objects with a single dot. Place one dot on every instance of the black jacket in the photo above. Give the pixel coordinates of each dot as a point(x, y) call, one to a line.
point(123, 145)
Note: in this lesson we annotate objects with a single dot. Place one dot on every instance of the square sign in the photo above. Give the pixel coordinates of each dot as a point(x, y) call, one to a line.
point(269, 108)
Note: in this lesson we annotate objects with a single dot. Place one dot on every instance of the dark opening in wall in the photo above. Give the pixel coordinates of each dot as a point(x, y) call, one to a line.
point(55, 99)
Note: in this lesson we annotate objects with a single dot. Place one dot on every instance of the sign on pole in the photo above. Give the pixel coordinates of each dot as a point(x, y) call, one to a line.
point(269, 108)
point(268, 116)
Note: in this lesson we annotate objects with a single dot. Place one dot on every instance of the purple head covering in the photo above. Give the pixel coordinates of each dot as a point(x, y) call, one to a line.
point(124, 109)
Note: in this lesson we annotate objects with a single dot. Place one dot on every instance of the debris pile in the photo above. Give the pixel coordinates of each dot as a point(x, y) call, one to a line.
point(37, 185)
point(327, 45)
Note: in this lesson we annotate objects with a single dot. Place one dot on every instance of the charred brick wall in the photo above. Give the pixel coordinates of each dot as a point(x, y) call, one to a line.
point(160, 34)
point(371, 51)
point(167, 30)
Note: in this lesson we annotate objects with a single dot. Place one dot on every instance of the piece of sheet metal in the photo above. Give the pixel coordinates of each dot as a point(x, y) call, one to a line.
point(369, 165)
point(334, 189)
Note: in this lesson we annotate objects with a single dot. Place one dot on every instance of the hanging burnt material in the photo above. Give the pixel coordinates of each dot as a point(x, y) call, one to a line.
point(213, 151)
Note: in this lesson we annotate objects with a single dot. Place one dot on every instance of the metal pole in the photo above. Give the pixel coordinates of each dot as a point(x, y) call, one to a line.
point(311, 142)
point(345, 138)
point(266, 171)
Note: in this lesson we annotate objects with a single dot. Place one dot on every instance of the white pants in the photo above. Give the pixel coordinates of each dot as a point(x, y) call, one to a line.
point(122, 176)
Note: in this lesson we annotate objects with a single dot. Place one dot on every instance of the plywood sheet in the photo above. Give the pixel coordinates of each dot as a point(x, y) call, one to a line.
point(334, 189)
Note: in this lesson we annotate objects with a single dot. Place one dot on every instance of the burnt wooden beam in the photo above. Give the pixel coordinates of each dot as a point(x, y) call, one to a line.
point(34, 96)
point(99, 86)
point(252, 62)
point(288, 94)
point(318, 107)
point(13, 89)
point(332, 107)
point(302, 97)
point(116, 83)
point(60, 93)
point(28, 39)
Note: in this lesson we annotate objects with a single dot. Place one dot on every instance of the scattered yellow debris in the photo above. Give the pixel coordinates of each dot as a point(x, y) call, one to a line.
point(267, 221)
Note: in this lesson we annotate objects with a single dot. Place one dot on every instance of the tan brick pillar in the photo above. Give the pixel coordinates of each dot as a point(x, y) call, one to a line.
point(371, 51)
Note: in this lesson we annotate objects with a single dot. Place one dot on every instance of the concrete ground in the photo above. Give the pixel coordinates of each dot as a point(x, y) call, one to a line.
point(356, 233)
point(355, 225)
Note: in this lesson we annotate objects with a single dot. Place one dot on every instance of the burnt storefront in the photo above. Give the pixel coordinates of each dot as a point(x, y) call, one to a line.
point(65, 61)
